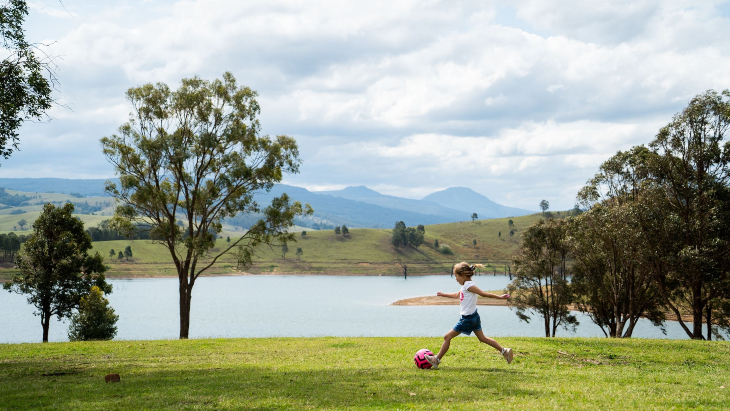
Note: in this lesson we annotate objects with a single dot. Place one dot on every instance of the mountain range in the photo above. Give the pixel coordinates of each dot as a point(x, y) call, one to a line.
point(353, 206)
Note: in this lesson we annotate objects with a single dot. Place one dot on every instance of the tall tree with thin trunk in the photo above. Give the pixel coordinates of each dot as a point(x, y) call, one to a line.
point(541, 277)
point(610, 283)
point(691, 173)
point(56, 269)
point(196, 154)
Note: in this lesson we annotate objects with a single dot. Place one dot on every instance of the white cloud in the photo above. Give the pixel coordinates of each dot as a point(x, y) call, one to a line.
point(43, 8)
point(420, 95)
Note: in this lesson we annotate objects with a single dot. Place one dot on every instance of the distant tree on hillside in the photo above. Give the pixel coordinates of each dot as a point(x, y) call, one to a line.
point(112, 253)
point(544, 206)
point(299, 252)
point(576, 210)
point(337, 230)
point(414, 237)
point(511, 233)
point(421, 229)
point(304, 233)
point(228, 239)
point(128, 251)
point(10, 245)
point(474, 216)
point(345, 230)
point(120, 256)
point(510, 223)
point(436, 244)
point(398, 237)
point(474, 242)
point(499, 234)
point(22, 223)
point(284, 250)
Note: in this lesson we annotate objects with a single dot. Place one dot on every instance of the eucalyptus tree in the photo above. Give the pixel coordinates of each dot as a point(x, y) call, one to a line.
point(691, 170)
point(197, 154)
point(541, 284)
point(56, 270)
point(610, 283)
point(26, 79)
point(544, 205)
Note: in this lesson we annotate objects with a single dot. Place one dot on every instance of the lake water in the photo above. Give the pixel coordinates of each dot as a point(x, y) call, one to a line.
point(293, 306)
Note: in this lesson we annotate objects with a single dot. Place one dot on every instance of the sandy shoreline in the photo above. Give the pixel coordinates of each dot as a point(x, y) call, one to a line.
point(436, 300)
point(275, 273)
point(245, 274)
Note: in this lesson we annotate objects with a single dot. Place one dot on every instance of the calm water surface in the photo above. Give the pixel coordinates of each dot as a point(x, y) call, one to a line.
point(293, 306)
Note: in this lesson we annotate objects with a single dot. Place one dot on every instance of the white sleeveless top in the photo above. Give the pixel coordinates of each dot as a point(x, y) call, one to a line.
point(468, 299)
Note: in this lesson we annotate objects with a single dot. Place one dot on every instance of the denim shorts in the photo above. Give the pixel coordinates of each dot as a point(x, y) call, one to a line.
point(469, 323)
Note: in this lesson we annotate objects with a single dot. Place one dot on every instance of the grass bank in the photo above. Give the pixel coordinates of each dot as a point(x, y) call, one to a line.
point(365, 373)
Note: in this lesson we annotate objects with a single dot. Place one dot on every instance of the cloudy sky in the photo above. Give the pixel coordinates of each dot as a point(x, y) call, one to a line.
point(518, 100)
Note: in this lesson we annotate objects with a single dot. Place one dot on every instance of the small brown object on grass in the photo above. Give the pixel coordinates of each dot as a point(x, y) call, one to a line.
point(112, 378)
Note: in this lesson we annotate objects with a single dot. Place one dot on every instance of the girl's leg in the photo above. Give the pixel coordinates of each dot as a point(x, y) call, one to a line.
point(489, 341)
point(447, 342)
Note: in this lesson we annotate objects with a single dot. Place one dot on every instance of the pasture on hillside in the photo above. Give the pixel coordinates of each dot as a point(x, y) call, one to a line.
point(363, 251)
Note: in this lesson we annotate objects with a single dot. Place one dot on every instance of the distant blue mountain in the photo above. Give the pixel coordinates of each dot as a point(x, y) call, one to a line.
point(339, 210)
point(352, 206)
point(468, 200)
point(366, 195)
point(87, 188)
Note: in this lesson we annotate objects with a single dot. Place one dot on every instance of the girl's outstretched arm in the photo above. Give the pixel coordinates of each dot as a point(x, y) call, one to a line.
point(476, 290)
point(449, 295)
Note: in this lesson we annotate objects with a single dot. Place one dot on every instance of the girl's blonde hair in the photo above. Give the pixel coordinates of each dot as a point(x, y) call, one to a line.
point(465, 269)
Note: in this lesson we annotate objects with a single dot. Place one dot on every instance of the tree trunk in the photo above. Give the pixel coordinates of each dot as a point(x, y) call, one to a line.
point(547, 325)
point(45, 321)
point(697, 308)
point(185, 296)
point(709, 321)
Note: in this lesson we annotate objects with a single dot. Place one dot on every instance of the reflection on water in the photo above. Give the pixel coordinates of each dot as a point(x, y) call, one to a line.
point(268, 306)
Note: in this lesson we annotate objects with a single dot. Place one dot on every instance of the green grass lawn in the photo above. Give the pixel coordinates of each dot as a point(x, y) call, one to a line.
point(365, 373)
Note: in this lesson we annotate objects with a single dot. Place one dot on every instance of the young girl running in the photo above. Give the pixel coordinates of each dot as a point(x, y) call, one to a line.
point(470, 320)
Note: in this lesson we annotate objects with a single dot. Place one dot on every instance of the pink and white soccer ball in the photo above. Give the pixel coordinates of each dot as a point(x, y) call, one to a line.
point(420, 358)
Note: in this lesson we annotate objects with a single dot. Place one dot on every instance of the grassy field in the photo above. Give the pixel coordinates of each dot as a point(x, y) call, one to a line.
point(363, 251)
point(365, 373)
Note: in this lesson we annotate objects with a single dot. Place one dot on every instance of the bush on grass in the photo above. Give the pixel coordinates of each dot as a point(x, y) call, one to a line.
point(95, 319)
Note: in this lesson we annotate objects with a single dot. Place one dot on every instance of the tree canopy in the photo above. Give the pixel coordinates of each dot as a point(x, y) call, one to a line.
point(26, 79)
point(56, 269)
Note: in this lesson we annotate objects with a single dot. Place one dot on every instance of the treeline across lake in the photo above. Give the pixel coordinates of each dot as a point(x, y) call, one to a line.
point(654, 241)
point(103, 232)
point(10, 245)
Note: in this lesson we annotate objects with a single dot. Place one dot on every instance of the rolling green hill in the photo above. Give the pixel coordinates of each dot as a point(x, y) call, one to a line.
point(363, 252)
